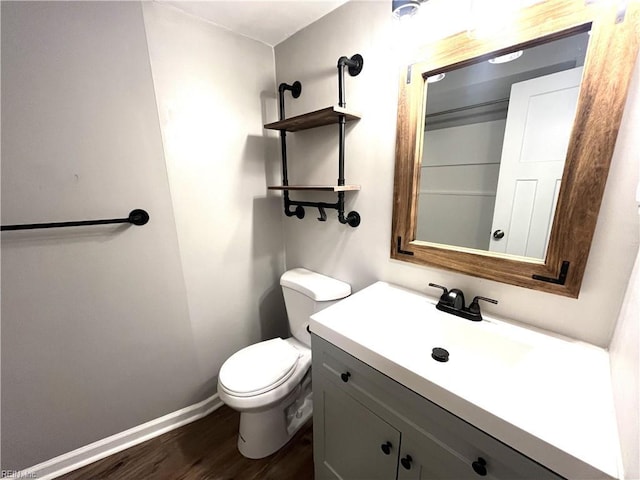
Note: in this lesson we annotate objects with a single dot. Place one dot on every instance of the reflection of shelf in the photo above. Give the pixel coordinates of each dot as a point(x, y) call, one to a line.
point(317, 188)
point(319, 118)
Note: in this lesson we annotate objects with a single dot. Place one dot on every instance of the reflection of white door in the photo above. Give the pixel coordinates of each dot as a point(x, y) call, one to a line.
point(539, 122)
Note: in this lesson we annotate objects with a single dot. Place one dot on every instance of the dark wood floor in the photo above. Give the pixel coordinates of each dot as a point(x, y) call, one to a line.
point(205, 449)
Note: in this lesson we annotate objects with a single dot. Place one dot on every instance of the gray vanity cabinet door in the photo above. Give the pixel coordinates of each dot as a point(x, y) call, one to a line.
point(353, 439)
point(424, 458)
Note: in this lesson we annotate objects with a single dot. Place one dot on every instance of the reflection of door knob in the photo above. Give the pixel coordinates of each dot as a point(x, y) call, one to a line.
point(498, 234)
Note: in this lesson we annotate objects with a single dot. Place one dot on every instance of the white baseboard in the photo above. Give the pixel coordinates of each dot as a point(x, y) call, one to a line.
point(120, 441)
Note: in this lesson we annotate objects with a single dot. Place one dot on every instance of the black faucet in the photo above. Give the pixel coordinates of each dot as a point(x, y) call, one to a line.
point(452, 301)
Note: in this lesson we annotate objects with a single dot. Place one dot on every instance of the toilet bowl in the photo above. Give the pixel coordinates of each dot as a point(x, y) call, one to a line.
point(269, 382)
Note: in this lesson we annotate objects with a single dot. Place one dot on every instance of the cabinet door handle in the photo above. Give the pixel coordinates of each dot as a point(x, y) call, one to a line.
point(480, 466)
point(406, 462)
point(345, 376)
point(386, 448)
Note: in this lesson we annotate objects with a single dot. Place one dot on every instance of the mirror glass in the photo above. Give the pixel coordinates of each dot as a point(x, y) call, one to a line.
point(495, 141)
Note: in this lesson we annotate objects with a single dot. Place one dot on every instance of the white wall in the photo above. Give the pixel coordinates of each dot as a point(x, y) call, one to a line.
point(360, 256)
point(625, 344)
point(215, 90)
point(105, 328)
point(625, 373)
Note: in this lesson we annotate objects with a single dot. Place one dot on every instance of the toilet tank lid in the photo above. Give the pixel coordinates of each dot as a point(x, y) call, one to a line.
point(315, 285)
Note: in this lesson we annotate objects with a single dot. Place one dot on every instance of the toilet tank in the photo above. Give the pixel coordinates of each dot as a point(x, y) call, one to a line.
point(305, 293)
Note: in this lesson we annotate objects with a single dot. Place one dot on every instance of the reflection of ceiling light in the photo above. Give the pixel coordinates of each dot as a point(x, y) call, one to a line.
point(435, 78)
point(506, 58)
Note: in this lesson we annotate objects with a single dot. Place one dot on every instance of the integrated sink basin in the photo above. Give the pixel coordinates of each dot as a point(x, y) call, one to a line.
point(546, 396)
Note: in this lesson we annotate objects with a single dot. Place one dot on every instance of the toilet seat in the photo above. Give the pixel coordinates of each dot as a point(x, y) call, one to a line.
point(258, 368)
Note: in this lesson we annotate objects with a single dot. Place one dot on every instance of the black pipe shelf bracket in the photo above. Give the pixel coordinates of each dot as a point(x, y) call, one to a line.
point(136, 217)
point(326, 116)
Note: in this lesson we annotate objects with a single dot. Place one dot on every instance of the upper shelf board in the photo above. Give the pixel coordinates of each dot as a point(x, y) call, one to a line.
point(318, 188)
point(319, 118)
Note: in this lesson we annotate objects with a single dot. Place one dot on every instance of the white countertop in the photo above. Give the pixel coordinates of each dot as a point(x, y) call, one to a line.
point(546, 396)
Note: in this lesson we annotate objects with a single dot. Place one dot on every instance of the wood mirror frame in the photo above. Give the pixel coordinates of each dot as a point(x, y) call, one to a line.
point(611, 55)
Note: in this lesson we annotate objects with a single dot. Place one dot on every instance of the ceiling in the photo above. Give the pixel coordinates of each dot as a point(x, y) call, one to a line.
point(268, 21)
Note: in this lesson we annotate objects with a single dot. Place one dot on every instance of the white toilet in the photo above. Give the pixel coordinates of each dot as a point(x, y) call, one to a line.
point(269, 382)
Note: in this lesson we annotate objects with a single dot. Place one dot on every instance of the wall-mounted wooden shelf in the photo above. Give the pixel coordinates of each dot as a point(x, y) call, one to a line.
point(319, 118)
point(334, 115)
point(317, 188)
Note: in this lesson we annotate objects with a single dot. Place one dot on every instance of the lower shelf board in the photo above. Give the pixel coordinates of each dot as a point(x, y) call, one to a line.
point(317, 188)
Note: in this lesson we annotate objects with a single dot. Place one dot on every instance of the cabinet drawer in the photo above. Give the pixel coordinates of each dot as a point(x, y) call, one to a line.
point(412, 413)
point(351, 375)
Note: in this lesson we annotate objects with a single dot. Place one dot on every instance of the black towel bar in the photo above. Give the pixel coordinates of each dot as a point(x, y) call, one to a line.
point(136, 217)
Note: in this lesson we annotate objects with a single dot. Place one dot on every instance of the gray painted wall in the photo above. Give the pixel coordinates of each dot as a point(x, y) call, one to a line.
point(215, 90)
point(105, 328)
point(95, 326)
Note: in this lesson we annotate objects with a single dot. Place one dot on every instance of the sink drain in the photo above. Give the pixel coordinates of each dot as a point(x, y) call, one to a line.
point(440, 354)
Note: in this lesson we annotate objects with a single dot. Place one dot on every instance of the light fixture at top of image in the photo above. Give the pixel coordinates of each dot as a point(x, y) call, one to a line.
point(509, 57)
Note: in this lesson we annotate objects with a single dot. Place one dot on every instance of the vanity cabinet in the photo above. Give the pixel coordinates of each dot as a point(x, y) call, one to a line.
point(369, 427)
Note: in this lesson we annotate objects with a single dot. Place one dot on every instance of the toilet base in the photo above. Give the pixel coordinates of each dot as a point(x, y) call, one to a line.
point(265, 432)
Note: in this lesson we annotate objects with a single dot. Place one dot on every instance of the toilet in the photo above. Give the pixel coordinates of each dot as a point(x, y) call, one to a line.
point(269, 382)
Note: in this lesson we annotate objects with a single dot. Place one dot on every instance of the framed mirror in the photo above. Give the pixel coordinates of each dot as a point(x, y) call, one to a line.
point(504, 144)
